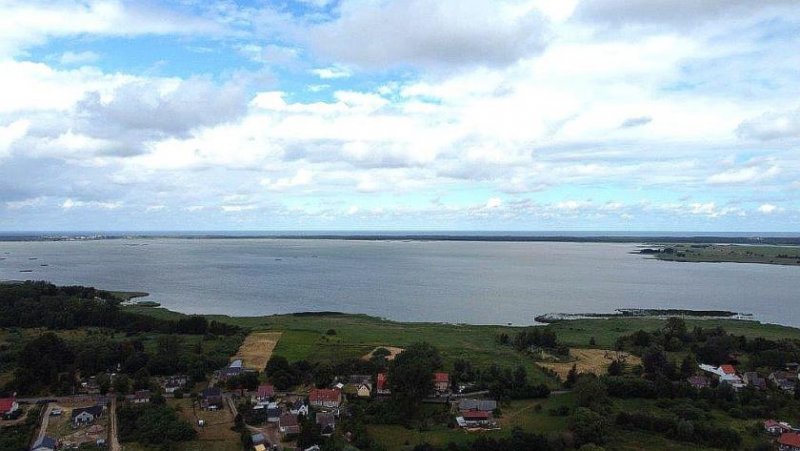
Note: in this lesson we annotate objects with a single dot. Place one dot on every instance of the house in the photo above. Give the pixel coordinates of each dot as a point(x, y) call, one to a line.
point(485, 405)
point(727, 369)
point(789, 441)
point(288, 424)
point(752, 378)
point(382, 383)
point(699, 382)
point(733, 380)
point(235, 368)
point(264, 392)
point(474, 418)
point(784, 380)
point(172, 383)
point(777, 428)
point(259, 448)
point(298, 408)
point(44, 444)
point(258, 439)
point(8, 407)
point(84, 415)
point(141, 397)
point(211, 398)
point(327, 423)
point(364, 390)
point(274, 413)
point(441, 382)
point(324, 397)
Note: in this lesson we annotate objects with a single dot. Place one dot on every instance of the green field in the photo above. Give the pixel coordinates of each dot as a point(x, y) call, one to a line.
point(773, 255)
point(304, 337)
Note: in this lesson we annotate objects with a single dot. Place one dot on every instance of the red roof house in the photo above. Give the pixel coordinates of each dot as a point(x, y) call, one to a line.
point(728, 369)
point(324, 397)
point(382, 384)
point(441, 381)
point(265, 391)
point(8, 405)
point(789, 441)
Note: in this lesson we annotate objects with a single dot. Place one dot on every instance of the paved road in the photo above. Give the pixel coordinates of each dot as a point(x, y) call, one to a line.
point(114, 445)
point(45, 422)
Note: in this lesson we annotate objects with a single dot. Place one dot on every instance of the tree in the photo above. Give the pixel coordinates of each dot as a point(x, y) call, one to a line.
point(675, 327)
point(590, 392)
point(654, 359)
point(572, 377)
point(687, 366)
point(122, 384)
point(411, 375)
point(615, 368)
point(588, 426)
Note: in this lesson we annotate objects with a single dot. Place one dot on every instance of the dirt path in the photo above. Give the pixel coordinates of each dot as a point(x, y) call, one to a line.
point(112, 434)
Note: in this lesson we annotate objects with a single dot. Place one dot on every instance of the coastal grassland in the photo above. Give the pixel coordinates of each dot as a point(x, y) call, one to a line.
point(307, 337)
point(523, 414)
point(605, 331)
point(774, 255)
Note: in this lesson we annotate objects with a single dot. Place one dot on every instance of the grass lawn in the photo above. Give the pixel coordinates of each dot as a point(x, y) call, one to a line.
point(217, 433)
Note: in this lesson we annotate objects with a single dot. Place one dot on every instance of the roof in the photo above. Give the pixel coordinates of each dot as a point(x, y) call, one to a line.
point(288, 419)
point(382, 381)
point(212, 391)
point(441, 377)
point(325, 395)
point(236, 364)
point(6, 404)
point(46, 442)
point(260, 448)
point(258, 438)
point(325, 419)
point(477, 404)
point(699, 380)
point(790, 439)
point(727, 369)
point(95, 411)
point(266, 390)
point(142, 394)
point(476, 414)
point(273, 412)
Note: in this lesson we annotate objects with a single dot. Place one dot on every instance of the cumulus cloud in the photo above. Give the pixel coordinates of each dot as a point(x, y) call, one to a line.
point(69, 204)
point(771, 126)
point(677, 13)
point(328, 73)
point(744, 175)
point(390, 33)
point(26, 23)
point(768, 209)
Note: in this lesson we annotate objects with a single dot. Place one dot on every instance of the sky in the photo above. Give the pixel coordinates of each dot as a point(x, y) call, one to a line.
point(641, 115)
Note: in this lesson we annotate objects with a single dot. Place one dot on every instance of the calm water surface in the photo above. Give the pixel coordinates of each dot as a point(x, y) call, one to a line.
point(471, 282)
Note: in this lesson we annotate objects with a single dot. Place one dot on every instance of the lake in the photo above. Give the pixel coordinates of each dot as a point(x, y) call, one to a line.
point(470, 282)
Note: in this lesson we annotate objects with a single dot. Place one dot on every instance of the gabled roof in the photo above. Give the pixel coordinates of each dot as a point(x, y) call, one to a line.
point(790, 439)
point(211, 391)
point(477, 404)
point(6, 404)
point(95, 411)
point(142, 394)
point(476, 414)
point(258, 438)
point(325, 395)
point(382, 380)
point(727, 369)
point(325, 419)
point(266, 391)
point(441, 377)
point(288, 420)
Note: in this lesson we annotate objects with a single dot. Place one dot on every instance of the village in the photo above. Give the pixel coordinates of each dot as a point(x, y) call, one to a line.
point(273, 419)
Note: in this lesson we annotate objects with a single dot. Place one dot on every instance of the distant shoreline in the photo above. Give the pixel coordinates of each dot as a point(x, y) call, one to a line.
point(621, 237)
